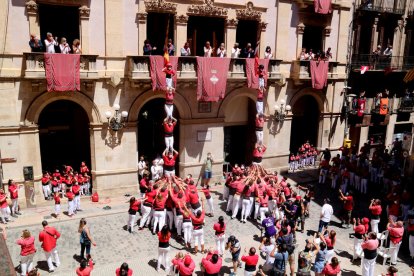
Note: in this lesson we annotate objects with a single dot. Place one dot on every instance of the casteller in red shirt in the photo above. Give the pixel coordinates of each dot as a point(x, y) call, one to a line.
point(85, 271)
point(348, 203)
point(13, 190)
point(48, 237)
point(251, 261)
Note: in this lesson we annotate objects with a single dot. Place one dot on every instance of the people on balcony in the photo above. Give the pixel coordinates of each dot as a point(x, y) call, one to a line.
point(235, 51)
point(185, 50)
point(76, 47)
point(148, 49)
point(35, 44)
point(388, 51)
point(303, 55)
point(268, 53)
point(50, 43)
point(247, 52)
point(221, 51)
point(170, 47)
point(328, 53)
point(64, 46)
point(208, 50)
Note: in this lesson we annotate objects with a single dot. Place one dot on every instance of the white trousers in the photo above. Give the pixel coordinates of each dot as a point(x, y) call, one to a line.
point(159, 219)
point(256, 209)
point(170, 218)
point(187, 227)
point(163, 258)
point(26, 263)
point(368, 267)
point(71, 206)
point(198, 237)
point(178, 224)
point(169, 82)
point(259, 107)
point(46, 190)
point(52, 254)
point(236, 202)
point(357, 248)
point(225, 192)
point(394, 252)
point(245, 209)
point(329, 255)
point(259, 136)
point(210, 205)
point(76, 202)
point(146, 211)
point(220, 243)
point(263, 210)
point(169, 108)
point(169, 142)
point(15, 206)
point(364, 183)
point(57, 209)
point(411, 245)
point(131, 221)
point(374, 225)
point(230, 203)
point(249, 273)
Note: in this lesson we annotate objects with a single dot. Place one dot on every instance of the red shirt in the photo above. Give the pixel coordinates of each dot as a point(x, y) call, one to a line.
point(240, 187)
point(359, 229)
point(118, 272)
point(219, 230)
point(159, 203)
point(370, 244)
point(210, 267)
point(257, 153)
point(150, 196)
point(84, 169)
point(169, 162)
point(86, 271)
point(57, 199)
point(27, 246)
point(376, 210)
point(349, 203)
point(169, 129)
point(193, 197)
point(182, 268)
point(45, 180)
point(259, 124)
point(250, 260)
point(206, 192)
point(48, 237)
point(197, 220)
point(3, 201)
point(135, 205)
point(76, 189)
point(164, 239)
point(169, 98)
point(70, 195)
point(14, 191)
point(329, 270)
point(396, 233)
point(259, 95)
point(264, 201)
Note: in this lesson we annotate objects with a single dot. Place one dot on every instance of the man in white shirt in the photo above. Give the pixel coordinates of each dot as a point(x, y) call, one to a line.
point(235, 51)
point(50, 43)
point(326, 213)
point(142, 167)
point(267, 247)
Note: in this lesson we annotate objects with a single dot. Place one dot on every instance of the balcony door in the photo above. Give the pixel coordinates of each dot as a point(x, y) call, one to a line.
point(312, 38)
point(247, 32)
point(61, 21)
point(157, 24)
point(201, 29)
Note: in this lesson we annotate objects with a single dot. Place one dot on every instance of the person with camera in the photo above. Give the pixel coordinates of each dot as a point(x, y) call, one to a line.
point(305, 258)
point(233, 245)
point(369, 246)
point(85, 268)
point(266, 247)
point(375, 210)
point(281, 257)
point(286, 238)
point(211, 264)
point(348, 201)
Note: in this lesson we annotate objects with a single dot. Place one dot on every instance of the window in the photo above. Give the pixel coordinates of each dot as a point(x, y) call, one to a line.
point(61, 21)
point(201, 29)
point(157, 30)
point(312, 38)
point(247, 33)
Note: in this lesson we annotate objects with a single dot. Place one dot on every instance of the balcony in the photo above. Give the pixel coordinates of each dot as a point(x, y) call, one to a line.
point(35, 66)
point(301, 70)
point(382, 6)
point(139, 68)
point(381, 62)
point(406, 104)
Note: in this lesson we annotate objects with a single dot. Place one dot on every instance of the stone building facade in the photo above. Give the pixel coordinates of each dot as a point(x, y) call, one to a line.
point(115, 72)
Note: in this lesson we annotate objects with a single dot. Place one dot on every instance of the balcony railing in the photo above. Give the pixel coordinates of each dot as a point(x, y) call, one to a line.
point(301, 70)
point(385, 6)
point(139, 68)
point(406, 104)
point(382, 62)
point(35, 66)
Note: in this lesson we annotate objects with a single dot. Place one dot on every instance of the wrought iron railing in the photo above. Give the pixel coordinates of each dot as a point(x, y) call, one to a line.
point(382, 62)
point(382, 6)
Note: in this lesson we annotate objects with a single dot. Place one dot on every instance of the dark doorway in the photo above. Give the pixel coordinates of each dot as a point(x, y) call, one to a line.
point(64, 135)
point(151, 141)
point(202, 29)
point(239, 140)
point(61, 21)
point(305, 122)
point(247, 33)
point(312, 38)
point(157, 30)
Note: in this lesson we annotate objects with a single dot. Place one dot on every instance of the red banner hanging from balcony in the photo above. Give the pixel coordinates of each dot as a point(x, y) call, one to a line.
point(211, 78)
point(319, 73)
point(158, 77)
point(62, 72)
point(323, 6)
point(252, 71)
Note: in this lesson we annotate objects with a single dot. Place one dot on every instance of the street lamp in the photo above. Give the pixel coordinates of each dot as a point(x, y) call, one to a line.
point(116, 122)
point(281, 110)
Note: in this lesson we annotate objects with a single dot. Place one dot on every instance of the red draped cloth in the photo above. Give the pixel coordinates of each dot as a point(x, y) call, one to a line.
point(323, 6)
point(62, 72)
point(211, 78)
point(252, 76)
point(158, 76)
point(319, 73)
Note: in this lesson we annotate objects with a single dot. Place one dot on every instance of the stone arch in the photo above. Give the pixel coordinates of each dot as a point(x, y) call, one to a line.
point(231, 96)
point(179, 101)
point(318, 96)
point(41, 101)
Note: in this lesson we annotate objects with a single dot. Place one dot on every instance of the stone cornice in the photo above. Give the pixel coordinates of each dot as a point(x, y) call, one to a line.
point(160, 6)
point(208, 9)
point(31, 7)
point(248, 13)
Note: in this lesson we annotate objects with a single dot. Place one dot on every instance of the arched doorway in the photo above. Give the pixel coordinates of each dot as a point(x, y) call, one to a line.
point(305, 122)
point(64, 135)
point(151, 142)
point(239, 131)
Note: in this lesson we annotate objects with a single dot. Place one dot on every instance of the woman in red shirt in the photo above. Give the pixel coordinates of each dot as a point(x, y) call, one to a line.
point(134, 205)
point(124, 270)
point(220, 228)
point(85, 268)
point(376, 210)
point(333, 268)
point(27, 252)
point(251, 261)
point(163, 248)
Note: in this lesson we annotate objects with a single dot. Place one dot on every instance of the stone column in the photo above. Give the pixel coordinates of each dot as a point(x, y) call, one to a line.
point(84, 13)
point(374, 36)
point(262, 29)
point(326, 34)
point(114, 28)
point(300, 29)
point(390, 129)
point(142, 31)
point(230, 35)
point(32, 12)
point(399, 43)
point(181, 32)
